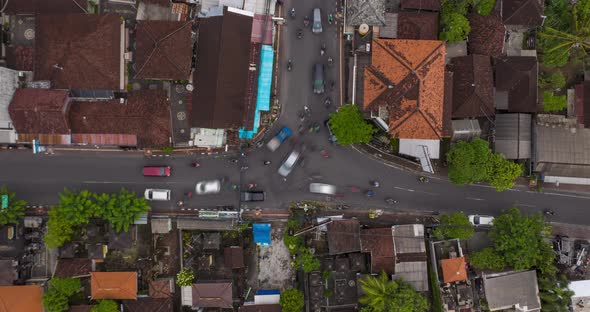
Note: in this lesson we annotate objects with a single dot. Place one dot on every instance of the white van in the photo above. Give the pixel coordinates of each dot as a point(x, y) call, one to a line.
point(322, 188)
point(316, 28)
point(157, 194)
point(289, 163)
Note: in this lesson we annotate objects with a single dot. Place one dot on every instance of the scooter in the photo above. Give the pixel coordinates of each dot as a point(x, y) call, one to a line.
point(423, 179)
point(390, 201)
point(292, 12)
point(549, 212)
point(289, 65)
point(327, 102)
point(330, 61)
point(323, 49)
point(330, 19)
point(195, 164)
point(299, 34)
point(306, 21)
point(267, 162)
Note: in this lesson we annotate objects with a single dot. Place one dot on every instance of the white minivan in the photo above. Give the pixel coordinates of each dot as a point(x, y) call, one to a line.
point(316, 28)
point(289, 163)
point(157, 194)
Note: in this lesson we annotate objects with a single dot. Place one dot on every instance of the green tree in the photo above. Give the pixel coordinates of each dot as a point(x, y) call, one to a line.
point(106, 306)
point(456, 225)
point(293, 243)
point(554, 293)
point(307, 261)
point(502, 172)
point(66, 286)
point(60, 290)
point(488, 259)
point(455, 27)
point(291, 300)
point(553, 103)
point(15, 210)
point(468, 161)
point(484, 7)
point(55, 301)
point(121, 209)
point(381, 294)
point(557, 80)
point(74, 209)
point(349, 127)
point(185, 277)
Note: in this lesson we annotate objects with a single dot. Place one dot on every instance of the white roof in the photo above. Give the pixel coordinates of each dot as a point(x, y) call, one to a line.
point(414, 147)
point(8, 85)
point(580, 288)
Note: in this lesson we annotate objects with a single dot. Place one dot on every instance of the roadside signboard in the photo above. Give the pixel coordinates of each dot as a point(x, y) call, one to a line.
point(4, 201)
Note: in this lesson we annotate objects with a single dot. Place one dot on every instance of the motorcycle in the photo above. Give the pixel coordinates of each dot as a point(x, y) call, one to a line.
point(549, 212)
point(330, 19)
point(330, 61)
point(299, 34)
point(332, 85)
point(306, 21)
point(423, 179)
point(292, 13)
point(390, 201)
point(314, 128)
point(370, 193)
point(289, 65)
point(267, 162)
point(195, 164)
point(327, 102)
point(323, 49)
point(325, 154)
point(375, 183)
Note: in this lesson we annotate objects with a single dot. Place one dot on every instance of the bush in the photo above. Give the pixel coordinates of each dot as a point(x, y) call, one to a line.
point(484, 7)
point(455, 27)
point(60, 290)
point(557, 80)
point(553, 103)
point(106, 306)
point(291, 300)
point(185, 277)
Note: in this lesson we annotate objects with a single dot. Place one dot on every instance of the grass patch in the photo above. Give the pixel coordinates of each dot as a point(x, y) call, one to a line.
point(554, 103)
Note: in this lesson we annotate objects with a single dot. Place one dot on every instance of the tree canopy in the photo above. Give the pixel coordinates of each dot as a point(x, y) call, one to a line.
point(455, 225)
point(106, 306)
point(185, 277)
point(488, 259)
point(349, 127)
point(501, 172)
point(382, 294)
point(60, 290)
point(454, 25)
point(554, 293)
point(291, 300)
point(484, 7)
point(15, 210)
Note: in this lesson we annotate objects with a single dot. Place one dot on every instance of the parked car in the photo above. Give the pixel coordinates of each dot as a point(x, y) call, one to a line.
point(481, 220)
point(278, 139)
point(289, 163)
point(318, 78)
point(208, 187)
point(157, 194)
point(322, 188)
point(316, 28)
point(156, 171)
point(332, 137)
point(252, 196)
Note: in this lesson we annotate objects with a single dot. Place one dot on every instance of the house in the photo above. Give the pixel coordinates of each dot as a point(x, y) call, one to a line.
point(473, 83)
point(113, 285)
point(45, 7)
point(148, 305)
point(212, 295)
point(582, 103)
point(453, 270)
point(528, 13)
point(234, 257)
point(8, 85)
point(518, 290)
point(410, 255)
point(427, 5)
point(260, 308)
point(80, 308)
point(161, 288)
point(163, 50)
point(8, 272)
point(21, 298)
point(74, 267)
point(513, 135)
point(370, 12)
point(419, 25)
point(161, 225)
point(343, 236)
point(378, 243)
point(516, 84)
point(81, 52)
point(581, 297)
point(487, 34)
point(221, 74)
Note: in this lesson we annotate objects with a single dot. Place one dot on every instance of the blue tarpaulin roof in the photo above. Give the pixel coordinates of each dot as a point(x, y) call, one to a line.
point(261, 234)
point(264, 87)
point(262, 292)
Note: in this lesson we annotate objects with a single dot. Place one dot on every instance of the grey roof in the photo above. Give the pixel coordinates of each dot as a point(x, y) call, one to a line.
point(8, 272)
point(8, 85)
point(513, 289)
point(562, 145)
point(370, 12)
point(389, 31)
point(211, 240)
point(408, 238)
point(415, 273)
point(161, 225)
point(191, 224)
point(513, 135)
point(465, 129)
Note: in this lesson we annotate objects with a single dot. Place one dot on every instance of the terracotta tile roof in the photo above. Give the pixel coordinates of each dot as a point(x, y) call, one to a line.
point(407, 77)
point(222, 71)
point(522, 12)
point(213, 295)
point(113, 285)
point(20, 58)
point(163, 50)
point(344, 236)
point(432, 5)
point(78, 51)
point(45, 6)
point(473, 94)
point(454, 270)
point(149, 305)
point(379, 243)
point(20, 298)
point(417, 25)
point(40, 111)
point(73, 267)
point(517, 75)
point(487, 34)
point(161, 288)
point(146, 114)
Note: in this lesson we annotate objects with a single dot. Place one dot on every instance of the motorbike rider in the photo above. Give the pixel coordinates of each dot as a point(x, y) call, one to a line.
point(323, 49)
point(267, 162)
point(292, 12)
point(289, 65)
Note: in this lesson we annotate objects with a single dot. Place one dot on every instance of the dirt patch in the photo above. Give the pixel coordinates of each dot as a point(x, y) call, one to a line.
point(274, 262)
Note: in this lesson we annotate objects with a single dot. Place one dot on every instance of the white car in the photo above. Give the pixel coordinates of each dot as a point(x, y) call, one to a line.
point(322, 188)
point(157, 194)
point(208, 187)
point(289, 163)
point(481, 220)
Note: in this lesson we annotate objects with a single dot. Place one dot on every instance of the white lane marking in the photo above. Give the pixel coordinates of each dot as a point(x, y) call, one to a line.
point(474, 198)
point(403, 189)
point(414, 191)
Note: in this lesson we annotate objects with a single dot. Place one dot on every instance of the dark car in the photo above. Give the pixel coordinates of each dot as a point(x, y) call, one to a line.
point(252, 196)
point(318, 78)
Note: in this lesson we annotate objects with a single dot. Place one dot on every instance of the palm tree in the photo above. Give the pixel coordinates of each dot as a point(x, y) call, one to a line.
point(382, 294)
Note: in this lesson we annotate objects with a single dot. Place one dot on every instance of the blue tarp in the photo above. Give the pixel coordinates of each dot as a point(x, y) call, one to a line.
point(264, 88)
point(261, 234)
point(263, 292)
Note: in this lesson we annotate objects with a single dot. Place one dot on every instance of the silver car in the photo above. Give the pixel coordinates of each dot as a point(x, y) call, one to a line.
point(322, 188)
point(208, 187)
point(289, 163)
point(317, 21)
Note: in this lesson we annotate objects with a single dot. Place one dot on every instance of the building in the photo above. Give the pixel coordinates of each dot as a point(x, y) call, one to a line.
point(418, 25)
point(410, 255)
point(21, 298)
point(365, 12)
point(212, 295)
point(113, 285)
point(581, 297)
point(344, 236)
point(512, 290)
point(513, 136)
point(423, 5)
point(516, 84)
point(378, 243)
point(473, 87)
point(528, 13)
point(453, 270)
point(487, 34)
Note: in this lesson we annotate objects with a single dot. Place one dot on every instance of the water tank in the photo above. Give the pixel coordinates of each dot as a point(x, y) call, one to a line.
point(363, 29)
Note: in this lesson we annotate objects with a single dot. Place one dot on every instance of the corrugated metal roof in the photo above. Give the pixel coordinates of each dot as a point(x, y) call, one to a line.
point(506, 291)
point(105, 139)
point(562, 145)
point(415, 273)
point(45, 139)
point(513, 135)
point(408, 238)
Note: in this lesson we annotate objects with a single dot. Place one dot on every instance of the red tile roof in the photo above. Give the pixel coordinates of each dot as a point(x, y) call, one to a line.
point(432, 5)
point(163, 50)
point(379, 243)
point(161, 288)
point(487, 34)
point(417, 25)
point(21, 298)
point(113, 285)
point(517, 75)
point(40, 111)
point(78, 51)
point(46, 6)
point(454, 270)
point(407, 77)
point(20, 58)
point(73, 267)
point(213, 295)
point(473, 86)
point(146, 114)
point(344, 236)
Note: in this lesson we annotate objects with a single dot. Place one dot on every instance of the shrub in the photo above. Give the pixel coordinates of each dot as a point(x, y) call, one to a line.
point(553, 103)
